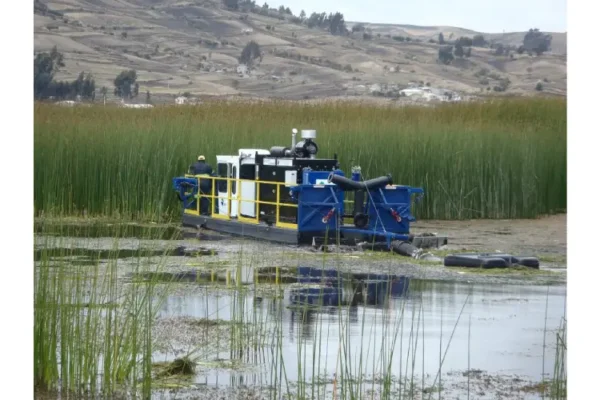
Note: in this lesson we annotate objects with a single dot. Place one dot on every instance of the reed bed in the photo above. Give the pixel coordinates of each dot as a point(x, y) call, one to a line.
point(92, 332)
point(500, 159)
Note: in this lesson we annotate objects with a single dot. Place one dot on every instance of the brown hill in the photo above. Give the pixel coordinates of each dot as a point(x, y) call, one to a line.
point(194, 46)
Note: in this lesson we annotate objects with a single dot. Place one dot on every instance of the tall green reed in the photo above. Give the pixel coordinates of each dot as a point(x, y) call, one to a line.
point(92, 332)
point(501, 159)
point(558, 387)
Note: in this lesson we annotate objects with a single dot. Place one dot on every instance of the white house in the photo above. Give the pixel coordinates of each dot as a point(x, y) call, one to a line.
point(242, 69)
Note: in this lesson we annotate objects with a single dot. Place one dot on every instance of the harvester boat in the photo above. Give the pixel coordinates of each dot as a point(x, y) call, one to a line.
point(288, 195)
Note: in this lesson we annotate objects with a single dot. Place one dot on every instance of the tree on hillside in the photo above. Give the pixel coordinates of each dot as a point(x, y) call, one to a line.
point(316, 20)
point(45, 65)
point(499, 49)
point(250, 53)
point(536, 42)
point(302, 15)
point(337, 25)
point(441, 38)
point(125, 84)
point(458, 50)
point(479, 41)
point(358, 28)
point(445, 54)
point(464, 41)
point(233, 4)
point(84, 86)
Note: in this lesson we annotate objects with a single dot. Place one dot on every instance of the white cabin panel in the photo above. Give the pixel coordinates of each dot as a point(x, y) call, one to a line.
point(248, 189)
point(228, 167)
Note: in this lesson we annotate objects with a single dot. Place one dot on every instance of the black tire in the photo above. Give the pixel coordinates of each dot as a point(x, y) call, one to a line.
point(475, 261)
point(494, 262)
point(530, 262)
point(468, 261)
point(507, 257)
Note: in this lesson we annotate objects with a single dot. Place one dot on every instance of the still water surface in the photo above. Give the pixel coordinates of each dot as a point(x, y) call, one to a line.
point(505, 324)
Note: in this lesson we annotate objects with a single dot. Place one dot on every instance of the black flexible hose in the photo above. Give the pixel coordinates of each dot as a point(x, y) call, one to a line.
point(350, 185)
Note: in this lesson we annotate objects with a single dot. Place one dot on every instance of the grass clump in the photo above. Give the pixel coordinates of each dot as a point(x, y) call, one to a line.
point(92, 334)
point(498, 159)
point(179, 366)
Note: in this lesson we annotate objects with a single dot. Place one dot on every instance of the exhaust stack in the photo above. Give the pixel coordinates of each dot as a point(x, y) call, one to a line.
point(294, 132)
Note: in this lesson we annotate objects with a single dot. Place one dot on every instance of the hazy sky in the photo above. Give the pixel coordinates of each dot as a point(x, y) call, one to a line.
point(491, 16)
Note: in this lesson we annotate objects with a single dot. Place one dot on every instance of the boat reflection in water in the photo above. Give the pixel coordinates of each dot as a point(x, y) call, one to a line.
point(318, 287)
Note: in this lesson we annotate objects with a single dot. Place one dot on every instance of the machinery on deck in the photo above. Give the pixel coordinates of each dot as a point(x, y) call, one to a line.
point(288, 195)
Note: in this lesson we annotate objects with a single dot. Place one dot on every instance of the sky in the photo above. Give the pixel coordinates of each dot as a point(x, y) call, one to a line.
point(489, 16)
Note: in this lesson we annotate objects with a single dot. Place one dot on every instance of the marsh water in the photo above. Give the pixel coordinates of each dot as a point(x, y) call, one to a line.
point(500, 328)
point(309, 318)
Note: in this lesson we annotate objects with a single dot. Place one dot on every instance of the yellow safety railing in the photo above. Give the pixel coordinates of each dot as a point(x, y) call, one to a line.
point(214, 197)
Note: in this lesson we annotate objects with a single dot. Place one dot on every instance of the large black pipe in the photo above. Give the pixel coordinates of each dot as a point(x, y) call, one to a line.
point(349, 185)
point(359, 201)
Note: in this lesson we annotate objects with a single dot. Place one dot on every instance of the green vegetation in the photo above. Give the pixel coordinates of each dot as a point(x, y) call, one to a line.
point(45, 67)
point(558, 384)
point(91, 333)
point(126, 85)
point(250, 52)
point(445, 55)
point(536, 42)
point(499, 159)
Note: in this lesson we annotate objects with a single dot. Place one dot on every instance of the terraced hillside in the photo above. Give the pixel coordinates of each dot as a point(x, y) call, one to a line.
point(194, 46)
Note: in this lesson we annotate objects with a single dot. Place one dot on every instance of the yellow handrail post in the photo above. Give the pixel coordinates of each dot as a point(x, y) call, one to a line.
point(257, 203)
point(238, 189)
point(228, 197)
point(199, 198)
point(277, 187)
point(212, 199)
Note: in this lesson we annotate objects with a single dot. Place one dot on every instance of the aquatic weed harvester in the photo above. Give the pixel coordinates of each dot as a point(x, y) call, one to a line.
point(288, 195)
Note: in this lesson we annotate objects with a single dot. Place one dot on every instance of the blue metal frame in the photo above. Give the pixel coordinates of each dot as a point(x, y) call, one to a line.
point(182, 187)
point(321, 207)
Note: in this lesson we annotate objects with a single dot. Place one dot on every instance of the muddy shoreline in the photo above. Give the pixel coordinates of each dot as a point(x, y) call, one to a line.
point(544, 238)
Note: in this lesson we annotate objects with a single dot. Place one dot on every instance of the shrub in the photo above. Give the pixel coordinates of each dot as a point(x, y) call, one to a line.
point(445, 54)
point(250, 53)
point(479, 41)
point(536, 42)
